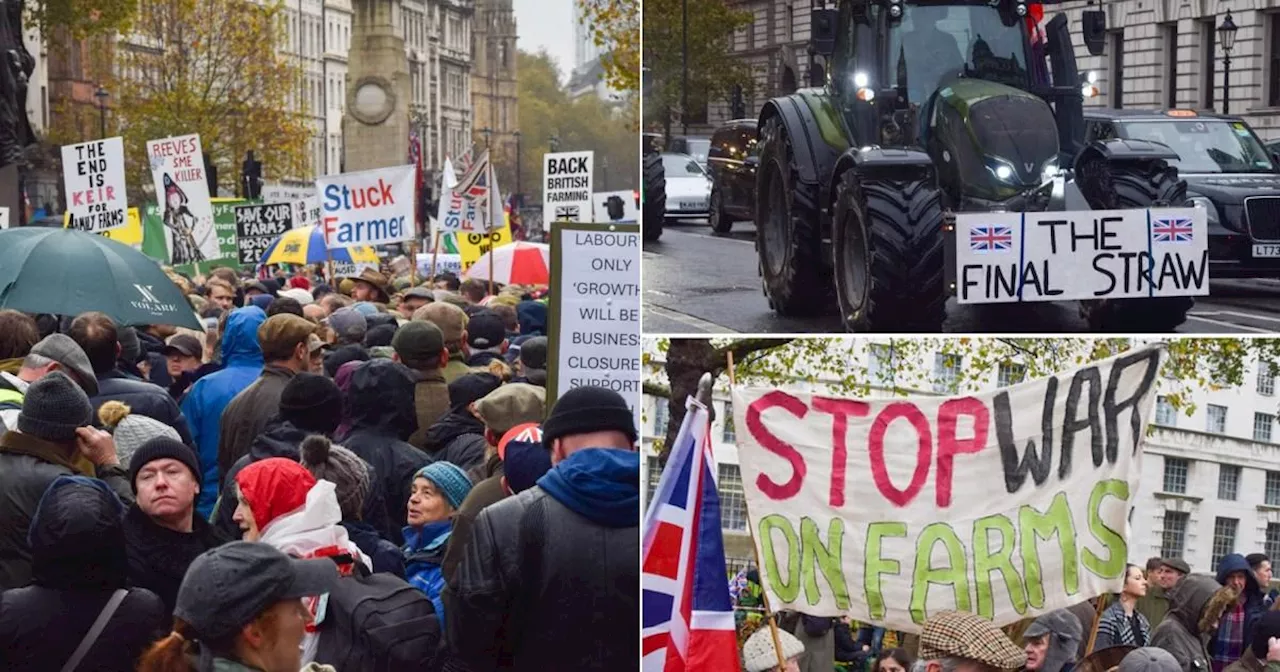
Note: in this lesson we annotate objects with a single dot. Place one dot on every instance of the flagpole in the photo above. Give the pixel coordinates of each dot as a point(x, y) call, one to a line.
point(435, 252)
point(488, 218)
point(755, 552)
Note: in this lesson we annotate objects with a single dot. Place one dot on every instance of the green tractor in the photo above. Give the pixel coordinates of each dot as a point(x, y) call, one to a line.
point(929, 111)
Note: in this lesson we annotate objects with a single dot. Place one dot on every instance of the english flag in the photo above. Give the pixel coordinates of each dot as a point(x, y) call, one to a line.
point(688, 616)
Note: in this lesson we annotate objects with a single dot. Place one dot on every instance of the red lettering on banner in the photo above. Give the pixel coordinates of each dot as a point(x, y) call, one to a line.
point(949, 445)
point(840, 409)
point(771, 443)
point(924, 452)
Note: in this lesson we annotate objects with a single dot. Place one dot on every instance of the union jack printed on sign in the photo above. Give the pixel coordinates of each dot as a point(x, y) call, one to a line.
point(1171, 230)
point(990, 238)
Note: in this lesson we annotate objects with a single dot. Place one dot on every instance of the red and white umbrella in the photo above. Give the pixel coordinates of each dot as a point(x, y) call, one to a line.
point(519, 263)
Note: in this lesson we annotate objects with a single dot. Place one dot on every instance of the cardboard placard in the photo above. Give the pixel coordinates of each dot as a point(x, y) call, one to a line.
point(177, 167)
point(93, 175)
point(370, 207)
point(566, 186)
point(258, 225)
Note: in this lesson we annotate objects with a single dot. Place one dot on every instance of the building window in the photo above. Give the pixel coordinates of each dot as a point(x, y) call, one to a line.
point(730, 435)
point(1173, 541)
point(1117, 69)
point(1165, 413)
point(1266, 379)
point(1272, 493)
point(1271, 546)
point(1175, 474)
point(1169, 38)
point(660, 417)
point(653, 473)
point(882, 363)
point(1262, 423)
point(1010, 374)
point(1216, 419)
point(946, 373)
point(1228, 482)
point(1224, 539)
point(1273, 59)
point(733, 505)
point(1208, 60)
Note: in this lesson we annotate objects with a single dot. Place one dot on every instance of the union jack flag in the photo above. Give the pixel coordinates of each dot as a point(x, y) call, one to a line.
point(1172, 230)
point(688, 616)
point(474, 184)
point(990, 238)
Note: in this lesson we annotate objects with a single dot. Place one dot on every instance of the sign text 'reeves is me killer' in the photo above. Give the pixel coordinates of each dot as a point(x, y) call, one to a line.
point(885, 509)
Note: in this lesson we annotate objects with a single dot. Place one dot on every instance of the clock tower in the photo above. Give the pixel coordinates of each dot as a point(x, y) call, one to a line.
point(375, 130)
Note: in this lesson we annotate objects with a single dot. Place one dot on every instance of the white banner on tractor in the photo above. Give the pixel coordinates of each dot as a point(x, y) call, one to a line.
point(1011, 257)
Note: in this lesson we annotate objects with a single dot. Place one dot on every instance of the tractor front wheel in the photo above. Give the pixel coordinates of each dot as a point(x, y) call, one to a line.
point(655, 196)
point(888, 255)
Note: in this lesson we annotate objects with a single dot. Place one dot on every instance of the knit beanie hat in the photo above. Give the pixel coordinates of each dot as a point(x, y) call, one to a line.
point(312, 403)
point(343, 468)
point(162, 447)
point(758, 654)
point(588, 409)
point(451, 480)
point(130, 431)
point(54, 408)
point(130, 346)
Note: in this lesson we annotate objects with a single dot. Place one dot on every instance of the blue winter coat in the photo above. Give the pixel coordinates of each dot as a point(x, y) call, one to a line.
point(204, 403)
point(1254, 606)
point(424, 549)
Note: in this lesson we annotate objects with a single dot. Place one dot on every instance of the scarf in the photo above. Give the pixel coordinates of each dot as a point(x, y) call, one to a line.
point(1228, 646)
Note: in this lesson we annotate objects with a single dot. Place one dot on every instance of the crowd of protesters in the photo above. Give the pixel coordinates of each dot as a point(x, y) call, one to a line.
point(355, 475)
point(1165, 619)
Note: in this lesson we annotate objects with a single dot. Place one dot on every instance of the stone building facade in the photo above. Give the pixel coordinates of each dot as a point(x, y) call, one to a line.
point(494, 94)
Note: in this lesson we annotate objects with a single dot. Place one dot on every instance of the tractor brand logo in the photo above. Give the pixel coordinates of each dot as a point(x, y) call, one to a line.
point(1030, 166)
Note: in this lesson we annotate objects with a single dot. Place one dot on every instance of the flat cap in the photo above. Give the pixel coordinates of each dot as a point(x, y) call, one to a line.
point(959, 634)
point(66, 352)
point(1176, 563)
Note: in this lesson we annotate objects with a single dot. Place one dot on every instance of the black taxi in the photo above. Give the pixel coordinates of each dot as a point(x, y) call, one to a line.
point(1229, 173)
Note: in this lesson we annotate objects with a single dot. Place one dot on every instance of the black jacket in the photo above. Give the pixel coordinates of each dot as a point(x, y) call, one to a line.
point(27, 467)
point(458, 437)
point(380, 398)
point(387, 557)
point(540, 588)
point(143, 398)
point(79, 561)
point(153, 352)
point(480, 360)
point(159, 556)
point(281, 439)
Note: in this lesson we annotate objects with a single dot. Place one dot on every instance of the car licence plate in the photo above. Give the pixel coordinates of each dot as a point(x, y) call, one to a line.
point(1265, 250)
point(690, 205)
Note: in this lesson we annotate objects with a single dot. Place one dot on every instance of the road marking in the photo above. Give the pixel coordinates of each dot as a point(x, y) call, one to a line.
point(683, 318)
point(711, 237)
point(1250, 316)
point(1233, 325)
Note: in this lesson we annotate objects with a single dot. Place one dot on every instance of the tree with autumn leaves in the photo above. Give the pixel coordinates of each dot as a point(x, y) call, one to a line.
point(615, 29)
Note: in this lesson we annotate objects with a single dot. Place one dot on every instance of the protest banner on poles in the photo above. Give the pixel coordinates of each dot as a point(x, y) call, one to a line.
point(566, 186)
point(1067, 256)
point(369, 207)
point(93, 176)
point(1008, 504)
point(258, 225)
point(177, 167)
point(595, 310)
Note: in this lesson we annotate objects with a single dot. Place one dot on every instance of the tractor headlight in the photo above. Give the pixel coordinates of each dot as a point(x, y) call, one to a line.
point(1002, 170)
point(1049, 171)
point(1210, 210)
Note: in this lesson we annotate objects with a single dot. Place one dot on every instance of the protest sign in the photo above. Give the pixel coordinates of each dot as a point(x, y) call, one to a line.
point(1064, 256)
point(445, 263)
point(1008, 504)
point(352, 269)
point(129, 234)
point(280, 193)
point(258, 225)
point(306, 212)
point(93, 175)
point(370, 207)
point(566, 186)
point(607, 204)
point(177, 167)
point(595, 310)
point(155, 237)
point(472, 246)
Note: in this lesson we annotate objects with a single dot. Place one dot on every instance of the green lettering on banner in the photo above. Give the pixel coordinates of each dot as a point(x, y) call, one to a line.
point(1035, 525)
point(874, 565)
point(788, 590)
point(1117, 548)
point(985, 561)
point(956, 573)
point(827, 558)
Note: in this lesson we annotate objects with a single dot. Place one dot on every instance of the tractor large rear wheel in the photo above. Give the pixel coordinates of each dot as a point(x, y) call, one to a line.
point(888, 255)
point(655, 196)
point(788, 230)
point(1136, 185)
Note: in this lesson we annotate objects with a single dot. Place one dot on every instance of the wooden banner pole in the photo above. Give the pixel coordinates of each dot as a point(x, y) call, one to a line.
point(413, 263)
point(1097, 618)
point(435, 252)
point(755, 552)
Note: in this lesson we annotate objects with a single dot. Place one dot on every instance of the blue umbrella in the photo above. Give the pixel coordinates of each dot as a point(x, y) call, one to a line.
point(305, 245)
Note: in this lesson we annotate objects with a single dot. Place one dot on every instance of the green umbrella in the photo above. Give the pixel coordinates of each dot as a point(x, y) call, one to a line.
point(68, 272)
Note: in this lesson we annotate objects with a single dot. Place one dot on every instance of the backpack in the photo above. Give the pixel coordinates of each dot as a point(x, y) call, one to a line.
point(378, 623)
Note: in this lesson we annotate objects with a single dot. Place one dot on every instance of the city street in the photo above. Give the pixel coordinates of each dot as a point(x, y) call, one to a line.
point(696, 282)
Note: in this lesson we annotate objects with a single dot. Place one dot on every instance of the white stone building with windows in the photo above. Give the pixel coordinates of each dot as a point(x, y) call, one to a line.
point(1210, 481)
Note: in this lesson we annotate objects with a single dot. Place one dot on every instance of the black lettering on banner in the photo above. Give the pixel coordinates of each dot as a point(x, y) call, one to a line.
point(258, 225)
point(1112, 408)
point(1038, 462)
point(1053, 232)
point(1072, 423)
point(1111, 277)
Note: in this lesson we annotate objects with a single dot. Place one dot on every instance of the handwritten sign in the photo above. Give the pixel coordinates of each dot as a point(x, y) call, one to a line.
point(566, 186)
point(370, 207)
point(258, 225)
point(1008, 504)
point(1090, 254)
point(93, 175)
point(177, 168)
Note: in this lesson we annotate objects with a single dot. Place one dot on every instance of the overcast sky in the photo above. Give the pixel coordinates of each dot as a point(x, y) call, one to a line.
point(547, 24)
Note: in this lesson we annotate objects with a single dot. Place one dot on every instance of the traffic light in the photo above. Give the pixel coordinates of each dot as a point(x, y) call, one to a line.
point(615, 207)
point(251, 176)
point(738, 107)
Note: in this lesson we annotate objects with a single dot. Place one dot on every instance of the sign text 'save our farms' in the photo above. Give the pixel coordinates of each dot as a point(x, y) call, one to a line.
point(370, 207)
point(93, 174)
point(177, 169)
point(595, 287)
point(566, 186)
point(258, 225)
point(1008, 504)
point(1088, 254)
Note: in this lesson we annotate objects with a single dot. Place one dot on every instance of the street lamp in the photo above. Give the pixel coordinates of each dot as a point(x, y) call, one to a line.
point(1227, 38)
point(102, 95)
